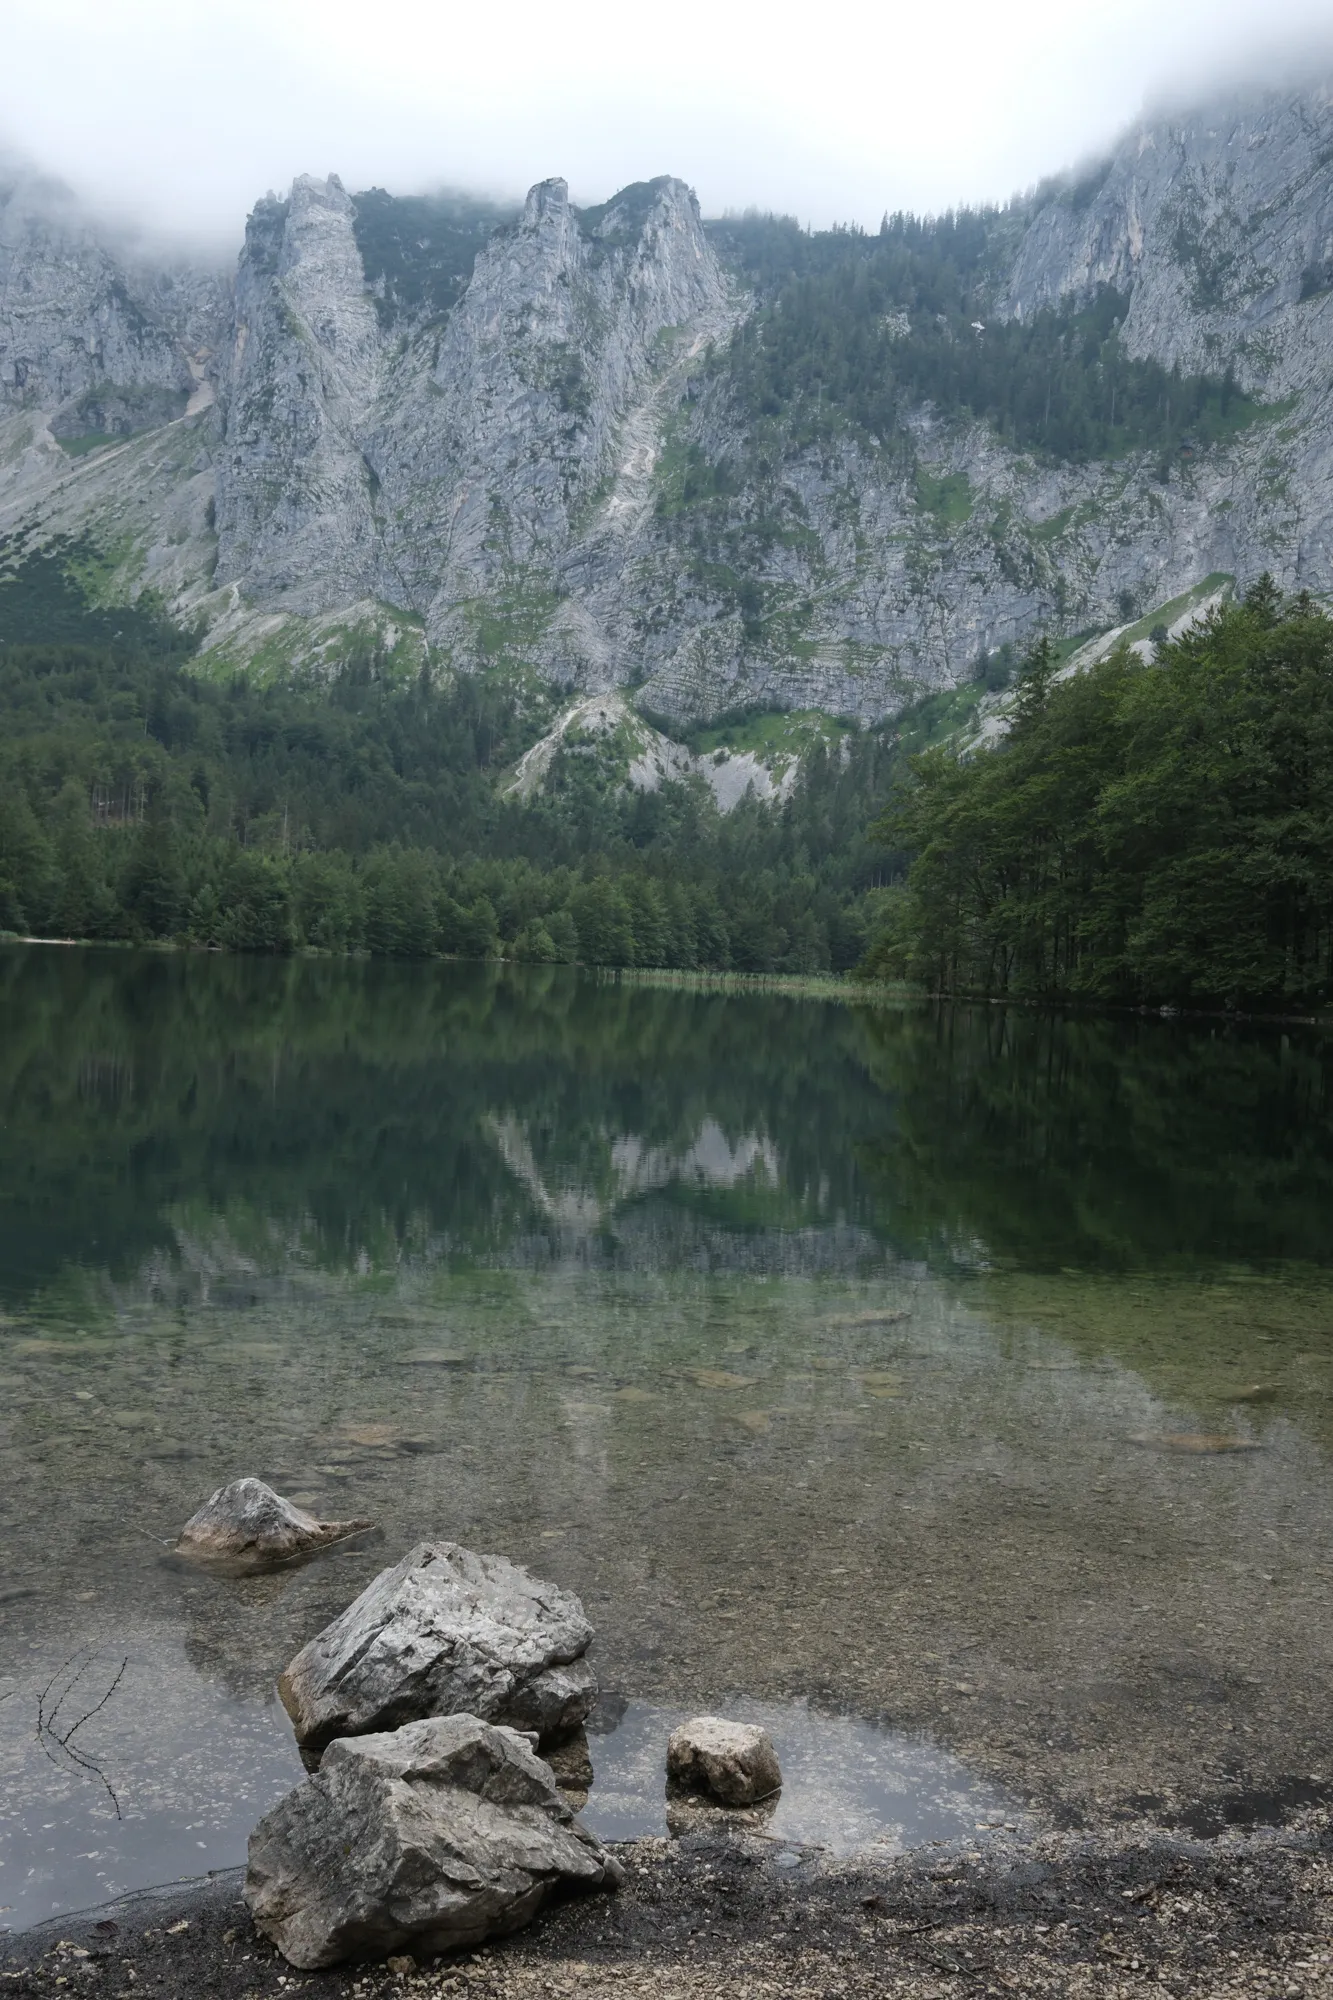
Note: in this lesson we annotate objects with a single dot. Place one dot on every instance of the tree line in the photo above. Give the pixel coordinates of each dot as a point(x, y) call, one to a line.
point(63, 877)
point(1150, 832)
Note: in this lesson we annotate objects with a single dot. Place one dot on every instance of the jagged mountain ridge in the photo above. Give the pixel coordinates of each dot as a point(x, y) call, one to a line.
point(427, 467)
point(488, 471)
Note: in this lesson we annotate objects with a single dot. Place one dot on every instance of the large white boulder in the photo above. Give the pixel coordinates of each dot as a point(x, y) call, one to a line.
point(445, 1632)
point(433, 1837)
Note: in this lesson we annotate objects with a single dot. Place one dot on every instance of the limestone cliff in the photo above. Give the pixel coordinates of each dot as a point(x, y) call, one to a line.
point(294, 488)
point(479, 458)
point(97, 340)
point(431, 463)
point(1218, 226)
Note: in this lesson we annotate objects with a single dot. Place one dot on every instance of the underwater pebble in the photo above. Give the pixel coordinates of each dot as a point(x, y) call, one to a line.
point(1198, 1443)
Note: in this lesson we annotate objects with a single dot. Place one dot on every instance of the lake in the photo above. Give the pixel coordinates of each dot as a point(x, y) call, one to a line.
point(952, 1388)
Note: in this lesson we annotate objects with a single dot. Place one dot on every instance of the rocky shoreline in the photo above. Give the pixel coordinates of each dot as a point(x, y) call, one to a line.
point(1127, 1912)
point(1211, 1887)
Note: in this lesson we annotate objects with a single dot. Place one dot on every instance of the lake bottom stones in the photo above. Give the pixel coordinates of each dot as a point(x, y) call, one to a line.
point(431, 1837)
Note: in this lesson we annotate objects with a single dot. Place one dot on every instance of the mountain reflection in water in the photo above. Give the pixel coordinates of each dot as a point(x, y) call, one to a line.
point(374, 1108)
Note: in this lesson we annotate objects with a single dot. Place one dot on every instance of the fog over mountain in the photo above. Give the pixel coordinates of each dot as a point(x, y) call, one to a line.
point(176, 120)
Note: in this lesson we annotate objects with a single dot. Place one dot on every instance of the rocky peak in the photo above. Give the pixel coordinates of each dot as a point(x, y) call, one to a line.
point(309, 191)
point(318, 225)
point(638, 207)
point(321, 276)
point(360, 460)
point(547, 203)
point(502, 418)
point(294, 512)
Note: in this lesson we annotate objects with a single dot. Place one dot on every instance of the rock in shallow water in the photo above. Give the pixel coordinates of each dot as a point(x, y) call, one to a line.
point(436, 1835)
point(248, 1526)
point(734, 1762)
point(445, 1632)
point(570, 1763)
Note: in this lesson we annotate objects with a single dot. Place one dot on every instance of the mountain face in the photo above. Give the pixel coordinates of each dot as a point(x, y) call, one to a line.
point(1217, 228)
point(100, 346)
point(434, 463)
point(525, 439)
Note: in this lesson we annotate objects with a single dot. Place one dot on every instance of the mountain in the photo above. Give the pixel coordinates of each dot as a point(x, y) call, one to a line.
point(715, 466)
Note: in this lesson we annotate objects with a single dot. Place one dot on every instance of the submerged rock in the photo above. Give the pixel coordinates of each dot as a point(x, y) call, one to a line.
point(436, 1835)
point(248, 1526)
point(570, 1761)
point(445, 1632)
point(734, 1762)
point(695, 1814)
point(1197, 1443)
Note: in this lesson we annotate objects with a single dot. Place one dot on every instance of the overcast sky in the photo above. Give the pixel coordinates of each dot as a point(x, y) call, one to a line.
point(180, 116)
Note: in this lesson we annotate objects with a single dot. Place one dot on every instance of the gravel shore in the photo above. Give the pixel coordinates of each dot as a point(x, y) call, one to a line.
point(1134, 1912)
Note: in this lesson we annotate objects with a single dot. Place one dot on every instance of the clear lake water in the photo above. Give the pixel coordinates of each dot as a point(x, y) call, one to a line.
point(950, 1389)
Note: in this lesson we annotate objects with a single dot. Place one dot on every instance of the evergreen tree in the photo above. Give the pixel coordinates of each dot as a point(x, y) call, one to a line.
point(152, 891)
point(84, 903)
point(604, 924)
point(26, 863)
point(257, 903)
point(1146, 834)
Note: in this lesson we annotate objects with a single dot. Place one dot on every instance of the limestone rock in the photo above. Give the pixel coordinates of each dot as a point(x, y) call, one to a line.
point(734, 1762)
point(445, 1632)
point(102, 337)
point(434, 1836)
point(69, 323)
point(247, 1525)
point(296, 523)
point(360, 461)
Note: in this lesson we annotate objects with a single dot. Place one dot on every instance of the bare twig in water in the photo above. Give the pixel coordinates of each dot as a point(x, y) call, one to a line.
point(120, 1675)
point(46, 1719)
point(53, 1740)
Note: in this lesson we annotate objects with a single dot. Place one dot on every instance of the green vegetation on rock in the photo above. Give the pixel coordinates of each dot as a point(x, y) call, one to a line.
point(948, 496)
point(418, 250)
point(863, 329)
point(50, 593)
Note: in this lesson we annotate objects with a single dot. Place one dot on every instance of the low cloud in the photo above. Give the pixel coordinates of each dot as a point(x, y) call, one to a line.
point(174, 122)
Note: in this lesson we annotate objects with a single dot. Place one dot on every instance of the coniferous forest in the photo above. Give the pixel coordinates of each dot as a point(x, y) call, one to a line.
point(1146, 834)
point(1150, 832)
point(140, 800)
point(863, 329)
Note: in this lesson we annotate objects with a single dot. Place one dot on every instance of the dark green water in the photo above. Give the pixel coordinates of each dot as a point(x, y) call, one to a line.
point(966, 1373)
point(372, 1106)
